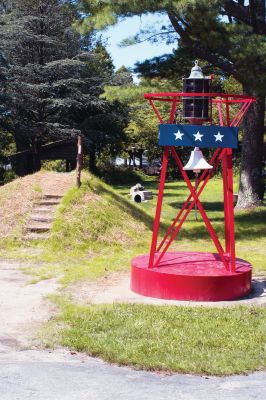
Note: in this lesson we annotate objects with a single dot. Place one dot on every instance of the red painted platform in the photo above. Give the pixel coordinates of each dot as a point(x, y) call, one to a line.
point(190, 276)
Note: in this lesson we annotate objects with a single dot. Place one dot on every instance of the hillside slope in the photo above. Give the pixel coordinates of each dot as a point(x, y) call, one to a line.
point(17, 199)
point(95, 230)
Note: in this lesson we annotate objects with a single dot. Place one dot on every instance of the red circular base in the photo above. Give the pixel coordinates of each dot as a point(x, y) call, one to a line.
point(190, 276)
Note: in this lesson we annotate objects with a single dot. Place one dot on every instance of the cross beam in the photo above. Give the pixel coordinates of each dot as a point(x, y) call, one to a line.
point(227, 256)
point(173, 230)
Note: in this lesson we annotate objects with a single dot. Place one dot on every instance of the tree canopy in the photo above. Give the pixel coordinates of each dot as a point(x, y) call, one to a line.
point(227, 34)
point(52, 78)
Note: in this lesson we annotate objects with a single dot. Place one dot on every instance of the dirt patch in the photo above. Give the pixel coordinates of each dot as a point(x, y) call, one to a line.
point(115, 288)
point(87, 292)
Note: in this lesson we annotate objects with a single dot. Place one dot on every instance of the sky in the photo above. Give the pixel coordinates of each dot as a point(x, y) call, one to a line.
point(128, 56)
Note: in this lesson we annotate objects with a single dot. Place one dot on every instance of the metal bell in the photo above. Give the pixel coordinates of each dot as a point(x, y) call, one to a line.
point(196, 161)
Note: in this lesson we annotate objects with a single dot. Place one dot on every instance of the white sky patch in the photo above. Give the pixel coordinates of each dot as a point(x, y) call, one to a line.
point(128, 27)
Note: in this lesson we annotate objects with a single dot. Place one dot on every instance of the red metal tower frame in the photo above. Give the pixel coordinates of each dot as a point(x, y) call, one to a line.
point(224, 103)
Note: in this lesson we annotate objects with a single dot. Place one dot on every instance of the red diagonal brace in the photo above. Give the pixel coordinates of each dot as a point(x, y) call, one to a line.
point(201, 178)
point(156, 111)
point(173, 111)
point(202, 211)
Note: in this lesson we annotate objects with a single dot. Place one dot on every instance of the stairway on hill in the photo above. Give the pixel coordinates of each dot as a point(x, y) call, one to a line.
point(41, 218)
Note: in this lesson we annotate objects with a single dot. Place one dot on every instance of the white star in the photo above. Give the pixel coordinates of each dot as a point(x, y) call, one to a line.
point(178, 135)
point(198, 136)
point(218, 137)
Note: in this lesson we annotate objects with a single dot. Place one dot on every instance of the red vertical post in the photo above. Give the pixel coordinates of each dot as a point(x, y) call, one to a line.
point(226, 203)
point(225, 181)
point(227, 111)
point(230, 206)
point(230, 200)
point(173, 111)
point(158, 207)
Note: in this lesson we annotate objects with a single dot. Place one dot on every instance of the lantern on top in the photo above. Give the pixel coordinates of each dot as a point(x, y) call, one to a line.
point(196, 108)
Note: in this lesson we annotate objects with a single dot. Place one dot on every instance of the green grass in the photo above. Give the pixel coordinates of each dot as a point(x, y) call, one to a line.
point(250, 226)
point(178, 339)
point(96, 231)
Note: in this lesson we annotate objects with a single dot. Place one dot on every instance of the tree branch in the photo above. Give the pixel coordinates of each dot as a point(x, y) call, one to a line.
point(155, 34)
point(198, 49)
point(251, 15)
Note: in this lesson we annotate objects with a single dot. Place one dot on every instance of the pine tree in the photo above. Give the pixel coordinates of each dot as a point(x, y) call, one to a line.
point(52, 77)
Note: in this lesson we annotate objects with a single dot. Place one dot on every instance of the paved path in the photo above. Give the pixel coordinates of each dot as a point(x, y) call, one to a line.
point(23, 307)
point(62, 376)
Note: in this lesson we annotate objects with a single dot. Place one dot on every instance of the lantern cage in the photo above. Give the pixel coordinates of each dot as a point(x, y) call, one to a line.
point(196, 107)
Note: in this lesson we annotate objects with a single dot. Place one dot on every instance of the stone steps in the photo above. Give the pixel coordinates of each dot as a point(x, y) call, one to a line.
point(49, 202)
point(41, 227)
point(40, 221)
point(42, 218)
point(52, 196)
point(44, 210)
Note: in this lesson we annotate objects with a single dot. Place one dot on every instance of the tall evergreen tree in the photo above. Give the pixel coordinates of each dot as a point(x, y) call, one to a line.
point(230, 35)
point(52, 79)
point(39, 46)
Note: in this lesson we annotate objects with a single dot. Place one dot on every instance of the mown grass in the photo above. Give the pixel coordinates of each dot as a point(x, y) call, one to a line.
point(177, 339)
point(250, 225)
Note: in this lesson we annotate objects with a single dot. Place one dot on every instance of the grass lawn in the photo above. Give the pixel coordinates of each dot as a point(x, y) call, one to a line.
point(250, 225)
point(177, 339)
point(97, 231)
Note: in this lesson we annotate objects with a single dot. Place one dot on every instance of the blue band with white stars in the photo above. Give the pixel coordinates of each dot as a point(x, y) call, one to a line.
point(198, 136)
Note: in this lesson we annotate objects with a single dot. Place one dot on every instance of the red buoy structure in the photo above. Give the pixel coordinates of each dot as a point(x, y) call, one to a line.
point(196, 276)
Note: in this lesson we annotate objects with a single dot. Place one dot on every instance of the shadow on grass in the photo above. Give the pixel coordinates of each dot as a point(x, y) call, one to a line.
point(129, 207)
point(154, 185)
point(208, 206)
point(249, 224)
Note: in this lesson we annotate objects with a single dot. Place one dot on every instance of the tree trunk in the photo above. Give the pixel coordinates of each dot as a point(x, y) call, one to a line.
point(92, 160)
point(251, 188)
point(36, 155)
point(79, 162)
